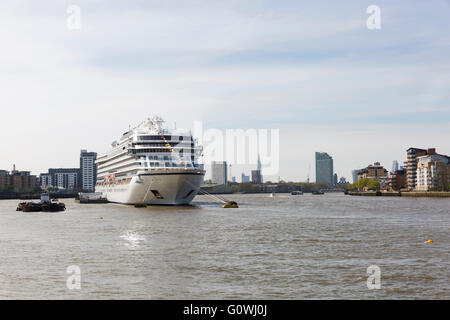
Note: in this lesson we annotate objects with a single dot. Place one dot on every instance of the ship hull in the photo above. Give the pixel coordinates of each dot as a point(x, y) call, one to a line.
point(156, 188)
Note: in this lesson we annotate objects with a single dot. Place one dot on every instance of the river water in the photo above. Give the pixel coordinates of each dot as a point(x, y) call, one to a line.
point(285, 247)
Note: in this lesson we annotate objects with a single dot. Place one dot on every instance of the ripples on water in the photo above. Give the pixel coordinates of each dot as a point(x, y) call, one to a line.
point(286, 247)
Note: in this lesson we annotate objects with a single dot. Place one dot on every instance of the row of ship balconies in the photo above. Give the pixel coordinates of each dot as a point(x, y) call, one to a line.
point(146, 161)
point(139, 149)
point(123, 171)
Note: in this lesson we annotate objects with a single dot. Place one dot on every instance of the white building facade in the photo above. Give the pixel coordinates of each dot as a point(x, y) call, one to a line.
point(45, 181)
point(433, 172)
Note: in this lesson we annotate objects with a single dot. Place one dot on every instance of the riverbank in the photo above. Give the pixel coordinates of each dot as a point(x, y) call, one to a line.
point(412, 194)
point(36, 196)
point(434, 194)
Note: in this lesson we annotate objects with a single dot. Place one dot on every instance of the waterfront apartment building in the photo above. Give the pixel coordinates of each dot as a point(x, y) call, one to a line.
point(45, 180)
point(433, 172)
point(411, 164)
point(73, 179)
point(88, 170)
point(65, 178)
point(397, 179)
point(324, 168)
point(17, 180)
point(372, 171)
point(219, 172)
point(413, 156)
point(22, 180)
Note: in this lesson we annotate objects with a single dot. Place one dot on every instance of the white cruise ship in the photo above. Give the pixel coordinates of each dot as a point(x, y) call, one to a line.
point(151, 165)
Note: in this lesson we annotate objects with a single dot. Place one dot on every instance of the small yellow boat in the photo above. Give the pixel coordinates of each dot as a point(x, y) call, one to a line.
point(230, 204)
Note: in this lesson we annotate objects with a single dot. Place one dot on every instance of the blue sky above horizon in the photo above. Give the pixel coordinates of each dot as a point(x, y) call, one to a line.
point(312, 70)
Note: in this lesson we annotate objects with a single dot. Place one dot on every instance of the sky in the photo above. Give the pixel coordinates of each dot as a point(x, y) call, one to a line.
point(312, 70)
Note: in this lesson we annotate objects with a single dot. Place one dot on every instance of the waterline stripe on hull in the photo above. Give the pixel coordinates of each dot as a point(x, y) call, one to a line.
point(153, 204)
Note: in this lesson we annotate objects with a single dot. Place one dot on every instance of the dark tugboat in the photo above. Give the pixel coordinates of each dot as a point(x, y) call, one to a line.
point(45, 205)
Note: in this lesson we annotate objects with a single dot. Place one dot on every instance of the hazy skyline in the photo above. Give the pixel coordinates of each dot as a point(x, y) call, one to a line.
point(313, 71)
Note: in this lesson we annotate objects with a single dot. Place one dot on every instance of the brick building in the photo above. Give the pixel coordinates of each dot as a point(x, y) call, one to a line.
point(23, 180)
point(18, 180)
point(375, 170)
point(397, 179)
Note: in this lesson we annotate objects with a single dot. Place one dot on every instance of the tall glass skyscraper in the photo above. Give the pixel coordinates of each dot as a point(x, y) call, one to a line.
point(394, 166)
point(324, 168)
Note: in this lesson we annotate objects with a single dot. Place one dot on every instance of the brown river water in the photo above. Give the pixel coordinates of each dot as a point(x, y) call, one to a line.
point(285, 247)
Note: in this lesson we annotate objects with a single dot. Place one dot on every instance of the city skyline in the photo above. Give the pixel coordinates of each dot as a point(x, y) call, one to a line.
point(250, 168)
point(320, 76)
